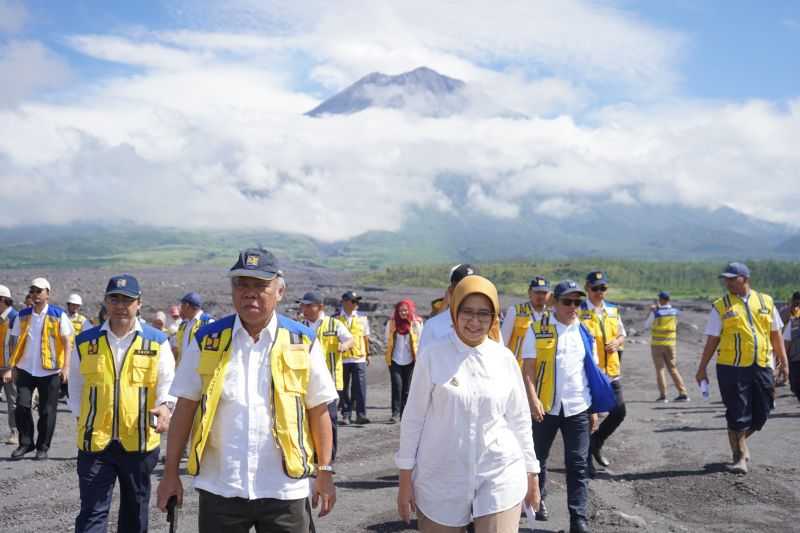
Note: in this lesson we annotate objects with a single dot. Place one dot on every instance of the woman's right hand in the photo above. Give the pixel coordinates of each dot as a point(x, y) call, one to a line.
point(538, 410)
point(405, 499)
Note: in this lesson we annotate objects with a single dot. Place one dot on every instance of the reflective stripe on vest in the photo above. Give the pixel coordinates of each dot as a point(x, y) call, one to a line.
point(116, 406)
point(290, 365)
point(746, 326)
point(52, 349)
point(413, 331)
point(665, 327)
point(545, 368)
point(523, 318)
point(603, 327)
point(329, 342)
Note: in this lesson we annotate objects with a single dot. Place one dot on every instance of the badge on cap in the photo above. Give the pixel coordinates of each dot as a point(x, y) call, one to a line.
point(251, 260)
point(541, 282)
point(598, 275)
point(121, 282)
point(572, 284)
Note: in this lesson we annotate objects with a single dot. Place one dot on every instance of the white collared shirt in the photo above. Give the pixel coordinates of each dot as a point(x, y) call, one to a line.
point(436, 328)
point(342, 332)
point(119, 348)
point(572, 388)
point(31, 360)
point(604, 307)
point(241, 458)
point(466, 431)
point(507, 328)
point(187, 332)
point(401, 353)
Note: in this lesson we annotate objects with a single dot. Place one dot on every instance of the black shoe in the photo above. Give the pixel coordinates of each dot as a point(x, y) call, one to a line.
point(343, 421)
point(41, 455)
point(578, 525)
point(20, 451)
point(362, 420)
point(595, 448)
point(393, 419)
point(662, 399)
point(681, 398)
point(542, 514)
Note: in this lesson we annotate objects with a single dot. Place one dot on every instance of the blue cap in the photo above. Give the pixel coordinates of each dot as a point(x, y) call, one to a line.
point(124, 284)
point(663, 295)
point(596, 278)
point(539, 284)
point(256, 263)
point(310, 298)
point(734, 270)
point(351, 296)
point(459, 272)
point(193, 299)
point(567, 287)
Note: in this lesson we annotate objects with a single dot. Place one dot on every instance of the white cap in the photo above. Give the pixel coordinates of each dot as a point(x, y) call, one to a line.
point(40, 283)
point(5, 292)
point(75, 299)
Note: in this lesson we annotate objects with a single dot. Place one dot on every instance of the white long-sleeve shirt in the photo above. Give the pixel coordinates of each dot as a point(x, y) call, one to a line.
point(401, 354)
point(31, 360)
point(466, 431)
point(119, 347)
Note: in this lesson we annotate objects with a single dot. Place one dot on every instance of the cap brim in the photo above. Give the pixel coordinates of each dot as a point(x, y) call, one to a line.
point(537, 288)
point(598, 282)
point(356, 299)
point(729, 275)
point(124, 293)
point(308, 302)
point(572, 291)
point(257, 274)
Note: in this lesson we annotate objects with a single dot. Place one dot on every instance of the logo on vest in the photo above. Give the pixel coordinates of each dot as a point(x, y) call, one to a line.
point(212, 343)
point(149, 353)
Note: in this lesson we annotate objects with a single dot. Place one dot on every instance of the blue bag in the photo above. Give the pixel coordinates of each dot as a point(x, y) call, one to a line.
point(603, 397)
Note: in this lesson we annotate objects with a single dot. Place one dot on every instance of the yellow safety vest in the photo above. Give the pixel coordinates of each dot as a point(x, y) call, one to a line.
point(199, 323)
point(604, 327)
point(356, 329)
point(77, 324)
point(413, 331)
point(117, 407)
point(5, 327)
point(52, 350)
point(290, 363)
point(545, 367)
point(665, 327)
point(329, 342)
point(746, 328)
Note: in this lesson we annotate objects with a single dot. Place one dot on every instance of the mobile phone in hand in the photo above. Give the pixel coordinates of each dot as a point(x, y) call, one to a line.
point(153, 420)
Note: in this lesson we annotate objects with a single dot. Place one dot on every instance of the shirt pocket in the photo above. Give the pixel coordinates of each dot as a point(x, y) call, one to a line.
point(93, 368)
point(145, 369)
point(296, 369)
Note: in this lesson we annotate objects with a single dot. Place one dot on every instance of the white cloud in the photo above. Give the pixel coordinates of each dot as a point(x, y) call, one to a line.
point(13, 16)
point(27, 67)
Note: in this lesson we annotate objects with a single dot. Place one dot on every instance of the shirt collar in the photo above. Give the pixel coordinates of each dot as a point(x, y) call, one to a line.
point(197, 315)
point(591, 306)
point(272, 327)
point(137, 326)
point(566, 326)
point(5, 313)
point(483, 348)
point(668, 306)
point(44, 311)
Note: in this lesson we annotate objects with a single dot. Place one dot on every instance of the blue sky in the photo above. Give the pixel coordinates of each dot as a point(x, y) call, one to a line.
point(663, 103)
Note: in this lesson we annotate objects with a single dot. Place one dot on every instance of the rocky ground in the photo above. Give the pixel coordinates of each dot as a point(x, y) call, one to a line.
point(668, 460)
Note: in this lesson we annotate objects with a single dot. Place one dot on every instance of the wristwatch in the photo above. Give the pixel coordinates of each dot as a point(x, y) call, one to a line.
point(326, 468)
point(170, 406)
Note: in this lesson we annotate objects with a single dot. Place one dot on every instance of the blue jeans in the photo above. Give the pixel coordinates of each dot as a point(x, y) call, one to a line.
point(97, 474)
point(575, 433)
point(354, 395)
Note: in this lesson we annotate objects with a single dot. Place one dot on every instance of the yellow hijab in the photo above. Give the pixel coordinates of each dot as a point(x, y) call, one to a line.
point(475, 285)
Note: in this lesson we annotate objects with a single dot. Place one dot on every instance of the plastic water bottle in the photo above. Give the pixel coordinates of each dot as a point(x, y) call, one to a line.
point(704, 389)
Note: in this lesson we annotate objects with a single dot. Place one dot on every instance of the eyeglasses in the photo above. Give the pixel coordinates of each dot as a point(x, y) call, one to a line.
point(258, 286)
point(569, 302)
point(118, 299)
point(602, 288)
point(484, 316)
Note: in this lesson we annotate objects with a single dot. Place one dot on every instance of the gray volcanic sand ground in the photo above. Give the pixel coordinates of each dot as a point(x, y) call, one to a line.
point(667, 471)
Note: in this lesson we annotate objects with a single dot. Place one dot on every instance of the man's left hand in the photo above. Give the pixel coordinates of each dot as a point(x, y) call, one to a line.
point(324, 492)
point(64, 375)
point(163, 413)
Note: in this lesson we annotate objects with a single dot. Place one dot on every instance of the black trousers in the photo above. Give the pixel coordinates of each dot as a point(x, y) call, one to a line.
point(97, 474)
point(614, 418)
point(332, 407)
point(48, 387)
point(794, 378)
point(401, 382)
point(748, 393)
point(575, 434)
point(238, 515)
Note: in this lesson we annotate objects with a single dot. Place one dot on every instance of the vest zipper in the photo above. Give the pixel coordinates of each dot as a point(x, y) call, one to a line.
point(752, 329)
point(115, 423)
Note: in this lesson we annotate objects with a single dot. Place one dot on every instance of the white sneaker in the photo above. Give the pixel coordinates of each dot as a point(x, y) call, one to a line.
point(13, 437)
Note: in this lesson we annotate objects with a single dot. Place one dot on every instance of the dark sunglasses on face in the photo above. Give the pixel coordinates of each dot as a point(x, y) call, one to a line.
point(570, 302)
point(602, 288)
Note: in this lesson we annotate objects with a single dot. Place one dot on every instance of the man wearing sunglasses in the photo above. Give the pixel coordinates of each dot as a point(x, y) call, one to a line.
point(519, 318)
point(604, 322)
point(559, 396)
point(43, 336)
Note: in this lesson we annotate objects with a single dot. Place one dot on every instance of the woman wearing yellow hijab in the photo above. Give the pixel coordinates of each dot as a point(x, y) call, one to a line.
point(466, 449)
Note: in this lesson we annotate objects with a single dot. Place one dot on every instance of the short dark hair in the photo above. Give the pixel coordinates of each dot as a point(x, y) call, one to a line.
point(8, 301)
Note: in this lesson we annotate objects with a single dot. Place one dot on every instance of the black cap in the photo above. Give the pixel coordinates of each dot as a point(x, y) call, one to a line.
point(597, 278)
point(539, 284)
point(796, 295)
point(567, 287)
point(124, 284)
point(256, 263)
point(351, 296)
point(459, 272)
point(310, 298)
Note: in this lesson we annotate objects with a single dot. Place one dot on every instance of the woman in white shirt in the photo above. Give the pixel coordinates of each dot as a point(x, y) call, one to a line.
point(466, 449)
point(403, 331)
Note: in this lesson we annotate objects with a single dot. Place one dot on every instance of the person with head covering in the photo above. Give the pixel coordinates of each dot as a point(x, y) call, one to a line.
point(253, 391)
point(193, 318)
point(743, 328)
point(403, 330)
point(355, 360)
point(40, 362)
point(7, 317)
point(441, 324)
point(466, 450)
point(663, 321)
point(518, 318)
point(160, 321)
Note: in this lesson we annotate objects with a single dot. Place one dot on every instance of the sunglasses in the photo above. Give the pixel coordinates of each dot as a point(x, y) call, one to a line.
point(602, 288)
point(570, 302)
